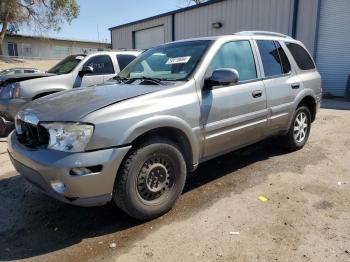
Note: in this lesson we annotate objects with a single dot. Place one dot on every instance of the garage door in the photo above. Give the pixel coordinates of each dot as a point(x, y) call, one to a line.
point(333, 48)
point(149, 37)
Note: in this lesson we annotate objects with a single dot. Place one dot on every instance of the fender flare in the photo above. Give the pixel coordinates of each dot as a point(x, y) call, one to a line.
point(155, 122)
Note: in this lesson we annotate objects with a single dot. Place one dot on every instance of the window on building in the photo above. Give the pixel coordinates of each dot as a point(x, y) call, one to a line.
point(124, 60)
point(102, 65)
point(301, 57)
point(61, 51)
point(236, 55)
point(12, 49)
point(27, 49)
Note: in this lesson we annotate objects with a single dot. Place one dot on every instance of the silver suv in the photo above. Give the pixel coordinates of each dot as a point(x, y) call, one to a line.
point(175, 106)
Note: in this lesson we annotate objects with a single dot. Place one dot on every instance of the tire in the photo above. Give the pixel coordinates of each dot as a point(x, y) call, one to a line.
point(299, 130)
point(2, 127)
point(5, 127)
point(150, 179)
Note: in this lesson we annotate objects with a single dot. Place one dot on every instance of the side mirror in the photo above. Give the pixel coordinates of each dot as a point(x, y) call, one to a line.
point(223, 77)
point(86, 70)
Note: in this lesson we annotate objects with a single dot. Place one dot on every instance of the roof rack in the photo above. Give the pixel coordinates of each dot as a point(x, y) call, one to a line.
point(267, 33)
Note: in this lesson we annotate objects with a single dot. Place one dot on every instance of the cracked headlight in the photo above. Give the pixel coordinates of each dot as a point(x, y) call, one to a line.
point(68, 137)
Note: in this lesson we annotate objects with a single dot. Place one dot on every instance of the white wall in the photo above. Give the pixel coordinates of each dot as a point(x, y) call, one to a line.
point(48, 48)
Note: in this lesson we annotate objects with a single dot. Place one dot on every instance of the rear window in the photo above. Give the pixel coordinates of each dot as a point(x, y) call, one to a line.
point(270, 58)
point(301, 57)
point(283, 59)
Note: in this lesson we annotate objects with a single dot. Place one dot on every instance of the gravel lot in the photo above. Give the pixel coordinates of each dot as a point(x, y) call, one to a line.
point(306, 216)
point(42, 64)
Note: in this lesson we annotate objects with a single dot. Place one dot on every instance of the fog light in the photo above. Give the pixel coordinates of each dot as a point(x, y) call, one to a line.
point(80, 171)
point(58, 186)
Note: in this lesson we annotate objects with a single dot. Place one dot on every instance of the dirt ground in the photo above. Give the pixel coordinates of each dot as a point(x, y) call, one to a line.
point(218, 218)
point(43, 65)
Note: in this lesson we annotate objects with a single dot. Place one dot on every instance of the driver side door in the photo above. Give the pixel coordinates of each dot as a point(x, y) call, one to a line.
point(234, 115)
point(103, 69)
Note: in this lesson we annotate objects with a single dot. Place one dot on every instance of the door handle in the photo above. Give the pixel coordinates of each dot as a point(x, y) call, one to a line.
point(257, 93)
point(295, 86)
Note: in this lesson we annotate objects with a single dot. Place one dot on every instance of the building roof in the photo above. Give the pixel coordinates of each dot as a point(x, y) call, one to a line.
point(55, 38)
point(210, 2)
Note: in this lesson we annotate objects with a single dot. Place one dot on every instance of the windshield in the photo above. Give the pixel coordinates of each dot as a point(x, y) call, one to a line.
point(173, 62)
point(67, 65)
point(7, 72)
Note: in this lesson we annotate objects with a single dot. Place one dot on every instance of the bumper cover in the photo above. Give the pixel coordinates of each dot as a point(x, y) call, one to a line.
point(40, 166)
point(10, 107)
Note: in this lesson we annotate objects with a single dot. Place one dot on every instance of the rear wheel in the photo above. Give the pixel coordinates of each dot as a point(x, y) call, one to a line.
point(300, 128)
point(150, 180)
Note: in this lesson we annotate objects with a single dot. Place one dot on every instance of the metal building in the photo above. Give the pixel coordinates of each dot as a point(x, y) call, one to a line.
point(322, 25)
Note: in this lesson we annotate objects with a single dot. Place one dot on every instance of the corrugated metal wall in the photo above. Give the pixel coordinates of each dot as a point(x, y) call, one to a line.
point(333, 50)
point(235, 15)
point(122, 37)
point(306, 25)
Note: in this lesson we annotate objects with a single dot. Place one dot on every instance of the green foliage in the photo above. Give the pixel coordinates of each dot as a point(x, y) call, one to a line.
point(38, 14)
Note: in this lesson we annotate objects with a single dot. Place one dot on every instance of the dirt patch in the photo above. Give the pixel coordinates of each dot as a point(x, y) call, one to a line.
point(43, 65)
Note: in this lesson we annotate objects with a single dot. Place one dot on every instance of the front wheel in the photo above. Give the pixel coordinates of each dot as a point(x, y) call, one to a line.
point(300, 128)
point(150, 179)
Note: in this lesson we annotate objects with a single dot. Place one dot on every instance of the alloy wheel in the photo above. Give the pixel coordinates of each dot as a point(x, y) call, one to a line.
point(300, 127)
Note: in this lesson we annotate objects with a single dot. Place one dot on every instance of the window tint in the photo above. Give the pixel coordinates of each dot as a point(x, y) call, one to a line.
point(236, 55)
point(124, 60)
point(28, 71)
point(270, 58)
point(283, 58)
point(301, 57)
point(102, 65)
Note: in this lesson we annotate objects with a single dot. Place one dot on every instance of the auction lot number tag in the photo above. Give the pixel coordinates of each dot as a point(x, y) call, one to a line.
point(178, 60)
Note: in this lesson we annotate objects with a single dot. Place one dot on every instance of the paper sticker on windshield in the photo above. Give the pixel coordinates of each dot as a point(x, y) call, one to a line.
point(178, 60)
point(79, 57)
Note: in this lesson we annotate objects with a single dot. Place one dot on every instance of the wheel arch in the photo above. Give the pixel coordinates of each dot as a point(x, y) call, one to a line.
point(172, 128)
point(310, 102)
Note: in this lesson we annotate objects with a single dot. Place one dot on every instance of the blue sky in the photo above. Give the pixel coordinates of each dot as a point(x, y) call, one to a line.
point(103, 14)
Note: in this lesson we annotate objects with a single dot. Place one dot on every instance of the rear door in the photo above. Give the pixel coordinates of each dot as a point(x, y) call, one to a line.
point(103, 69)
point(234, 115)
point(279, 82)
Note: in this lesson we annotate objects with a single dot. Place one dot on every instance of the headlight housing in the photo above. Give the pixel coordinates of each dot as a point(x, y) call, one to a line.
point(69, 137)
point(10, 91)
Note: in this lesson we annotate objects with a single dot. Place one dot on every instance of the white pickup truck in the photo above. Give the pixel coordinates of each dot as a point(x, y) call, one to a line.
point(74, 71)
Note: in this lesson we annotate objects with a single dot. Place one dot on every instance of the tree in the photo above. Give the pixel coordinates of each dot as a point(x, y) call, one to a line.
point(38, 14)
point(190, 2)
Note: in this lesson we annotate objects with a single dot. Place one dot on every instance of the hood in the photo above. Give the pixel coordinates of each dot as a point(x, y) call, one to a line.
point(22, 77)
point(73, 105)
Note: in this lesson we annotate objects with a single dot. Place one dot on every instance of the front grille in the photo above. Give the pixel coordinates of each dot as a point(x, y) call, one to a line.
point(32, 135)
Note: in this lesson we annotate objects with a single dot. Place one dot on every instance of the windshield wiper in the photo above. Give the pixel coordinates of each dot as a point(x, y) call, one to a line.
point(120, 78)
point(146, 78)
